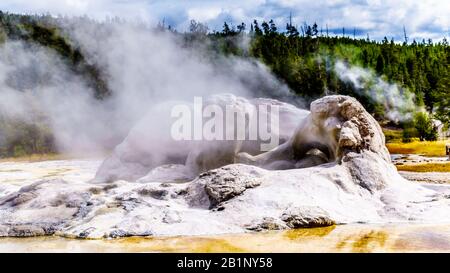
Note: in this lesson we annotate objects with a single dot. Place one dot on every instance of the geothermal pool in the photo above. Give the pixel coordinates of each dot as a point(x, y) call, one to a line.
point(344, 238)
point(340, 238)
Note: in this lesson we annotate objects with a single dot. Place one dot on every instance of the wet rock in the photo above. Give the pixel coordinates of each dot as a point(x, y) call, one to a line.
point(227, 182)
point(85, 233)
point(120, 233)
point(110, 187)
point(267, 223)
point(95, 190)
point(31, 230)
point(298, 217)
point(127, 202)
point(134, 226)
point(181, 192)
point(117, 234)
point(71, 200)
point(160, 194)
point(83, 210)
point(25, 194)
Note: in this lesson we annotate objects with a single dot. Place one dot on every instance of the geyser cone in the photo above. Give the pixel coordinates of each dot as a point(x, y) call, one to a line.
point(355, 183)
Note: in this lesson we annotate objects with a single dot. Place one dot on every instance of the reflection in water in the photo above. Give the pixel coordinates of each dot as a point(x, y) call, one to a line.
point(370, 241)
point(302, 233)
point(366, 242)
point(344, 238)
point(427, 237)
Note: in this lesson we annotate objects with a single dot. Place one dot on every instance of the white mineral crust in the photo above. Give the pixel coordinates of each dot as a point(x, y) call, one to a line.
point(333, 169)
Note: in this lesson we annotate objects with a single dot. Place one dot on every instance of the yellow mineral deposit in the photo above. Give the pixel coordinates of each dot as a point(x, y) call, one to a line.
point(343, 238)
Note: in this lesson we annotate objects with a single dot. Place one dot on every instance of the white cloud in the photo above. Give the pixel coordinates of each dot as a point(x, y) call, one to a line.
point(379, 18)
point(99, 9)
point(204, 14)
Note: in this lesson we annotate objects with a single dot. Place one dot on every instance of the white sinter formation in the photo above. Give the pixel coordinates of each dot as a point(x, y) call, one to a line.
point(332, 169)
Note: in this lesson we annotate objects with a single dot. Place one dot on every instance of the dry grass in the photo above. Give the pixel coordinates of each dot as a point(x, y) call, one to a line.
point(425, 167)
point(34, 158)
point(392, 135)
point(427, 148)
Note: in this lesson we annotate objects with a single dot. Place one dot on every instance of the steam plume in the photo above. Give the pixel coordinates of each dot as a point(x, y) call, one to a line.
point(399, 103)
point(144, 68)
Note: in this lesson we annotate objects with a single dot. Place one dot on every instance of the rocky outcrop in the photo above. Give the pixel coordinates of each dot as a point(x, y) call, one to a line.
point(227, 182)
point(298, 217)
point(336, 126)
point(333, 170)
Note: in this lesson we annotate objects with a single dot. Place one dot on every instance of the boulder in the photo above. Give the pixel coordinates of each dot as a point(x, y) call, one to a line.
point(227, 182)
point(306, 216)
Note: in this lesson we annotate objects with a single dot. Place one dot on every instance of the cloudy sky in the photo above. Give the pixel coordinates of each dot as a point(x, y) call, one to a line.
point(378, 18)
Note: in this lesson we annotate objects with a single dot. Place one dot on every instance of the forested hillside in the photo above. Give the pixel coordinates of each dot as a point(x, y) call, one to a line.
point(308, 60)
point(305, 62)
point(45, 31)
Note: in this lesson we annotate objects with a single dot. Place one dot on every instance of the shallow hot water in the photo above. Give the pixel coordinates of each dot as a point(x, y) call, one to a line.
point(346, 238)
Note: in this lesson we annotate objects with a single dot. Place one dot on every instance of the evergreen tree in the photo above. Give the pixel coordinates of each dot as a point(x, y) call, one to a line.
point(258, 31)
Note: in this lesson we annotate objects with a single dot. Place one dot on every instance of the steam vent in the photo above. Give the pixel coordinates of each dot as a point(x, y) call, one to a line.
point(332, 167)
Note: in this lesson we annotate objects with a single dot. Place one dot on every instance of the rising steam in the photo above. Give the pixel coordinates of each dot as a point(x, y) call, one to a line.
point(144, 68)
point(399, 103)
